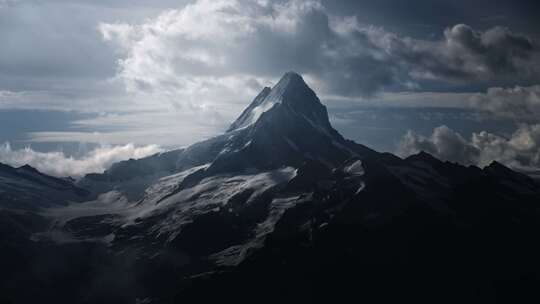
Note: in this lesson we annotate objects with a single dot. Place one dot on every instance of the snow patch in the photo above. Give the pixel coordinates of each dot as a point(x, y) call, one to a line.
point(212, 192)
point(112, 202)
point(234, 255)
point(355, 168)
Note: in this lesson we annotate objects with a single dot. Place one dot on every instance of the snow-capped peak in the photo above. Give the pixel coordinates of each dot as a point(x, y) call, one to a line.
point(291, 90)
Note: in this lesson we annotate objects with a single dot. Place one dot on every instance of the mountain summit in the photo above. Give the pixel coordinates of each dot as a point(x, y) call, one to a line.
point(285, 125)
point(291, 92)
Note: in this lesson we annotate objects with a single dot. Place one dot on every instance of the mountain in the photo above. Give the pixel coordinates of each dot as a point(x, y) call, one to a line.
point(27, 188)
point(281, 208)
point(283, 126)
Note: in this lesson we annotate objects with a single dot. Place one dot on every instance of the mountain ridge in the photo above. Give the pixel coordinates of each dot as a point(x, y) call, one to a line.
point(25, 187)
point(280, 201)
point(294, 127)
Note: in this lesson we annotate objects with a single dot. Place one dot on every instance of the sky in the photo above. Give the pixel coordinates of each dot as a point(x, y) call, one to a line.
point(84, 84)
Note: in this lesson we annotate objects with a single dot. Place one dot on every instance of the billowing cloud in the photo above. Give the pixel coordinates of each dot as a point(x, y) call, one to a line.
point(215, 50)
point(522, 103)
point(461, 56)
point(464, 54)
point(58, 164)
point(444, 143)
point(521, 150)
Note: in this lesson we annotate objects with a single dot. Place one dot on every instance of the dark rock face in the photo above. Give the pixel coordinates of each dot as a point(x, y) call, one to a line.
point(391, 243)
point(280, 208)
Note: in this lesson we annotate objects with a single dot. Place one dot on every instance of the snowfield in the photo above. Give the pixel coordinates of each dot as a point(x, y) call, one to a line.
point(173, 206)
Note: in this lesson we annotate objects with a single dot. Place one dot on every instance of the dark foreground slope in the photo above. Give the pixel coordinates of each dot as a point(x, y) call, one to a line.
point(280, 208)
point(389, 244)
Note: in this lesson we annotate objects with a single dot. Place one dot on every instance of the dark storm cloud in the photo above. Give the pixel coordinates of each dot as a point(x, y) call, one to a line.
point(425, 18)
point(496, 55)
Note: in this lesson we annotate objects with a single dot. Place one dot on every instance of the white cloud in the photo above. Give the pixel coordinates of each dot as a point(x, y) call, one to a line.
point(58, 164)
point(521, 150)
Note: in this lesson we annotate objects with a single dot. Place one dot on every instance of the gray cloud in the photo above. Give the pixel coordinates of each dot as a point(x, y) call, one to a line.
point(467, 57)
point(496, 54)
point(52, 41)
point(421, 18)
point(212, 57)
point(244, 42)
point(249, 41)
point(520, 103)
point(521, 150)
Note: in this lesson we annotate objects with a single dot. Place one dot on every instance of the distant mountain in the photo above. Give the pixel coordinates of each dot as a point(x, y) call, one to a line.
point(282, 208)
point(27, 188)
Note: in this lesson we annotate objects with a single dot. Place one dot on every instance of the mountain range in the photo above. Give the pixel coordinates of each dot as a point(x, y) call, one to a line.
point(279, 208)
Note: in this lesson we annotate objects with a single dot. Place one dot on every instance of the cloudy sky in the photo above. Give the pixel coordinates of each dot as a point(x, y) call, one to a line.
point(87, 83)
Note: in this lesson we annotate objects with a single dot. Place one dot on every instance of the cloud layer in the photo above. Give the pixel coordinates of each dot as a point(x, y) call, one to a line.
point(521, 150)
point(58, 164)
